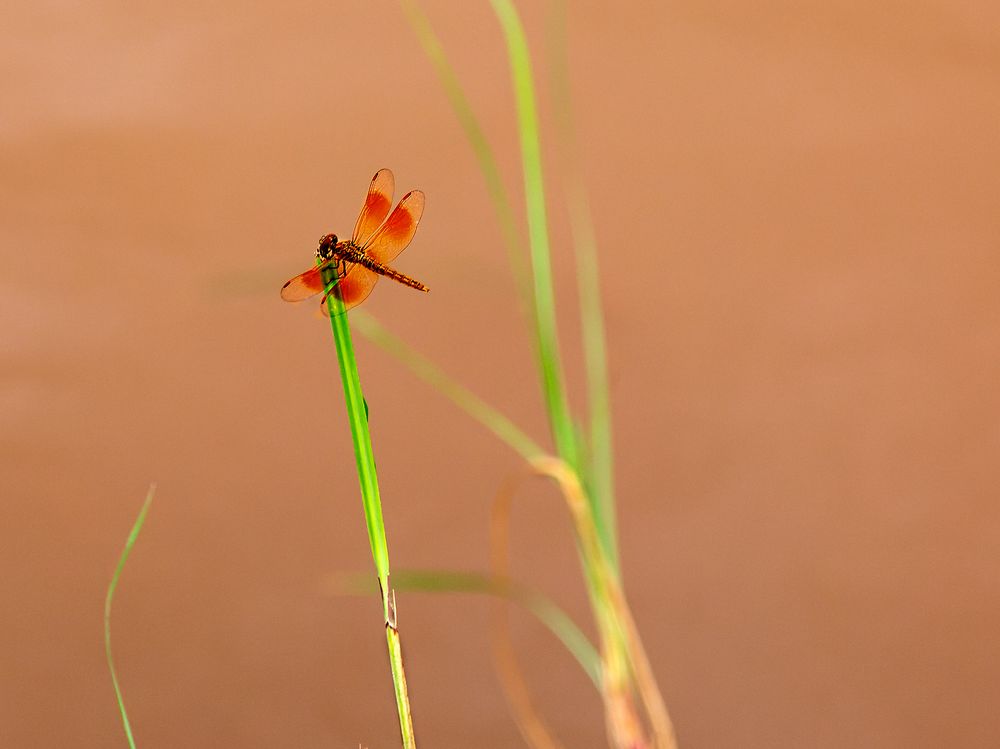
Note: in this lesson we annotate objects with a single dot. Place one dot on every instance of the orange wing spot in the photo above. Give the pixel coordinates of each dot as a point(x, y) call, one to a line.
point(376, 207)
point(395, 234)
point(381, 238)
point(303, 286)
point(353, 288)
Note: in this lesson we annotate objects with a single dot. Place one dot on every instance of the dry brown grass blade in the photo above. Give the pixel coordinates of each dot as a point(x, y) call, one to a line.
point(627, 673)
point(527, 718)
point(642, 672)
point(624, 726)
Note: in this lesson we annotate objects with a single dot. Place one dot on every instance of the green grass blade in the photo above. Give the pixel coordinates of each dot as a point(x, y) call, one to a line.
point(538, 233)
point(402, 694)
point(468, 401)
point(542, 294)
point(548, 613)
point(364, 455)
point(477, 139)
point(129, 543)
point(601, 467)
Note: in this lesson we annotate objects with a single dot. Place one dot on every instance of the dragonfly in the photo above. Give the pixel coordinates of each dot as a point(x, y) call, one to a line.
point(353, 266)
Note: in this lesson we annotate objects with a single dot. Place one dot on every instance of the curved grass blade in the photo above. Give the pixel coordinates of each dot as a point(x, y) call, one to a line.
point(129, 543)
point(625, 664)
point(541, 293)
point(480, 146)
point(465, 399)
point(540, 606)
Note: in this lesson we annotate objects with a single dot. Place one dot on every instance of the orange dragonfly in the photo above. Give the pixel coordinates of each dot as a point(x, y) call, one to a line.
point(355, 265)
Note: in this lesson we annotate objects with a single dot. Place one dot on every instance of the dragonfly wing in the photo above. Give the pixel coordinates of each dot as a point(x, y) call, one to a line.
point(376, 207)
point(303, 286)
point(391, 237)
point(353, 288)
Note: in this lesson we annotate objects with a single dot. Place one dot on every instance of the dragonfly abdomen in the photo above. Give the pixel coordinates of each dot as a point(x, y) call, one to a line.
point(384, 270)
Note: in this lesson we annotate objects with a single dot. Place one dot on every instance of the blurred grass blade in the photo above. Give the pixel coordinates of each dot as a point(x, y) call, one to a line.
point(512, 236)
point(538, 232)
point(548, 613)
point(472, 404)
point(601, 465)
point(129, 543)
point(625, 665)
point(534, 730)
point(542, 294)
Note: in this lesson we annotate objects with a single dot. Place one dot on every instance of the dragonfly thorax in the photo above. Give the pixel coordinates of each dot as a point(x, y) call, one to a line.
point(331, 249)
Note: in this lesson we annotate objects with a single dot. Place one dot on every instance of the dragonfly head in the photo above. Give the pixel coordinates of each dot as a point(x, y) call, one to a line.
point(327, 244)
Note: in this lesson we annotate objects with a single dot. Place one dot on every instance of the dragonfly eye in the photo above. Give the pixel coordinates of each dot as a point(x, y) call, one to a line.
point(327, 243)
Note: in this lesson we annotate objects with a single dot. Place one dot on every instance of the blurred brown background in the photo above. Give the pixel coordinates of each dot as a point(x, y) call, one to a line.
point(797, 207)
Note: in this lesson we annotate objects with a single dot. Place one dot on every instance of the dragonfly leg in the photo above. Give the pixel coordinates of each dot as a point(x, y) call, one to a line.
point(333, 272)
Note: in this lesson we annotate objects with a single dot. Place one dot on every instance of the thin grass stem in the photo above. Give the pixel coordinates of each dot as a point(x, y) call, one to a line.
point(461, 396)
point(601, 453)
point(512, 236)
point(357, 416)
point(553, 386)
point(557, 621)
point(364, 455)
point(625, 662)
point(129, 543)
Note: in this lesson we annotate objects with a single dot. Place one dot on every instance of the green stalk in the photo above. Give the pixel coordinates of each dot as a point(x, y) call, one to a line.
point(601, 453)
point(586, 475)
point(566, 435)
point(399, 684)
point(129, 543)
point(560, 421)
point(364, 455)
point(357, 416)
